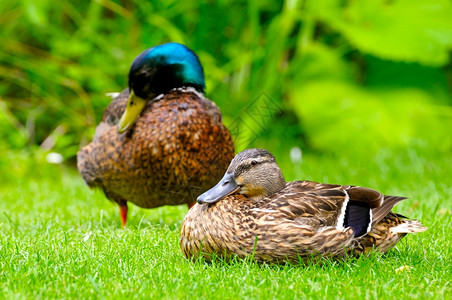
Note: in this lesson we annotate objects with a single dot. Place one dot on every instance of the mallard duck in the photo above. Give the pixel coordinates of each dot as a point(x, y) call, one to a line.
point(253, 211)
point(160, 142)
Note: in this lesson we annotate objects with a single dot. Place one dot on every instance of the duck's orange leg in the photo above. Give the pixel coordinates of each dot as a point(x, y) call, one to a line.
point(123, 213)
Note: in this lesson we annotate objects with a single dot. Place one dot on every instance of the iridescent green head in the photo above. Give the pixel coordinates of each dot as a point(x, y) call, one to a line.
point(156, 71)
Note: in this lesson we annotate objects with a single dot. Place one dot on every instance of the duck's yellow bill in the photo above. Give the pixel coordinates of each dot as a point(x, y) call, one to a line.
point(133, 110)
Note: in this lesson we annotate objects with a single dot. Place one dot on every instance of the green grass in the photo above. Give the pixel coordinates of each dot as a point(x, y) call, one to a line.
point(61, 240)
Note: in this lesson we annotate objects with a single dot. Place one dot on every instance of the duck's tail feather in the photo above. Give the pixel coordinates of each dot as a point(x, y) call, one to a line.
point(408, 226)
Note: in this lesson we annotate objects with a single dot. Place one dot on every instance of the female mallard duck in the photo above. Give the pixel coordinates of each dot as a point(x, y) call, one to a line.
point(160, 142)
point(253, 211)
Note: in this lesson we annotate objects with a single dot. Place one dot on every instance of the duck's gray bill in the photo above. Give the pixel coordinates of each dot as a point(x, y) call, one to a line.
point(226, 186)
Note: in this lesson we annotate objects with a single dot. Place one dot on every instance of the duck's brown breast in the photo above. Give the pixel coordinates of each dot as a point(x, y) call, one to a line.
point(177, 149)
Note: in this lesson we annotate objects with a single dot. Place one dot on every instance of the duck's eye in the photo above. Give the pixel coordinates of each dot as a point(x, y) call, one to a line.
point(253, 162)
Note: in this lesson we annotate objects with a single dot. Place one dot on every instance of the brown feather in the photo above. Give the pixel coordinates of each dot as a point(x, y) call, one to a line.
point(380, 212)
point(365, 195)
point(176, 149)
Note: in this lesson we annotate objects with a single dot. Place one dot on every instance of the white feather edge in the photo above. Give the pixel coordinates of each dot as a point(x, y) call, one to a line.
point(112, 95)
point(409, 226)
point(340, 219)
point(369, 227)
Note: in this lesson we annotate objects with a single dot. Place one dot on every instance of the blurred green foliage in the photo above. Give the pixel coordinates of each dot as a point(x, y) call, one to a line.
point(338, 75)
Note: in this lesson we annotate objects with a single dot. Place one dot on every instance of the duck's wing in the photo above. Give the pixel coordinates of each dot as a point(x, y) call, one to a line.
point(385, 208)
point(115, 109)
point(341, 206)
point(112, 113)
point(308, 203)
point(365, 201)
point(89, 158)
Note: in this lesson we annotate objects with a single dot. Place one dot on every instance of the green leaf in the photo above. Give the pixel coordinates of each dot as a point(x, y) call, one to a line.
point(406, 30)
point(340, 116)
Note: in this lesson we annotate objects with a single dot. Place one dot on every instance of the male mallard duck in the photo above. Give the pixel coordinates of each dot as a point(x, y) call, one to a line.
point(253, 211)
point(160, 142)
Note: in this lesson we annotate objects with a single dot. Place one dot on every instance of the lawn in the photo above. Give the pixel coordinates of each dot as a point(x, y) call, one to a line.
point(59, 239)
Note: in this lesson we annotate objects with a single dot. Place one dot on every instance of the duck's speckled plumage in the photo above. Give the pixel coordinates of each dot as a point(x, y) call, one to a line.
point(177, 149)
point(301, 220)
point(174, 149)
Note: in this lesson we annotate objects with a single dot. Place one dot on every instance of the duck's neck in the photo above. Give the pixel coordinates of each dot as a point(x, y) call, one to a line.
point(267, 185)
point(189, 89)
